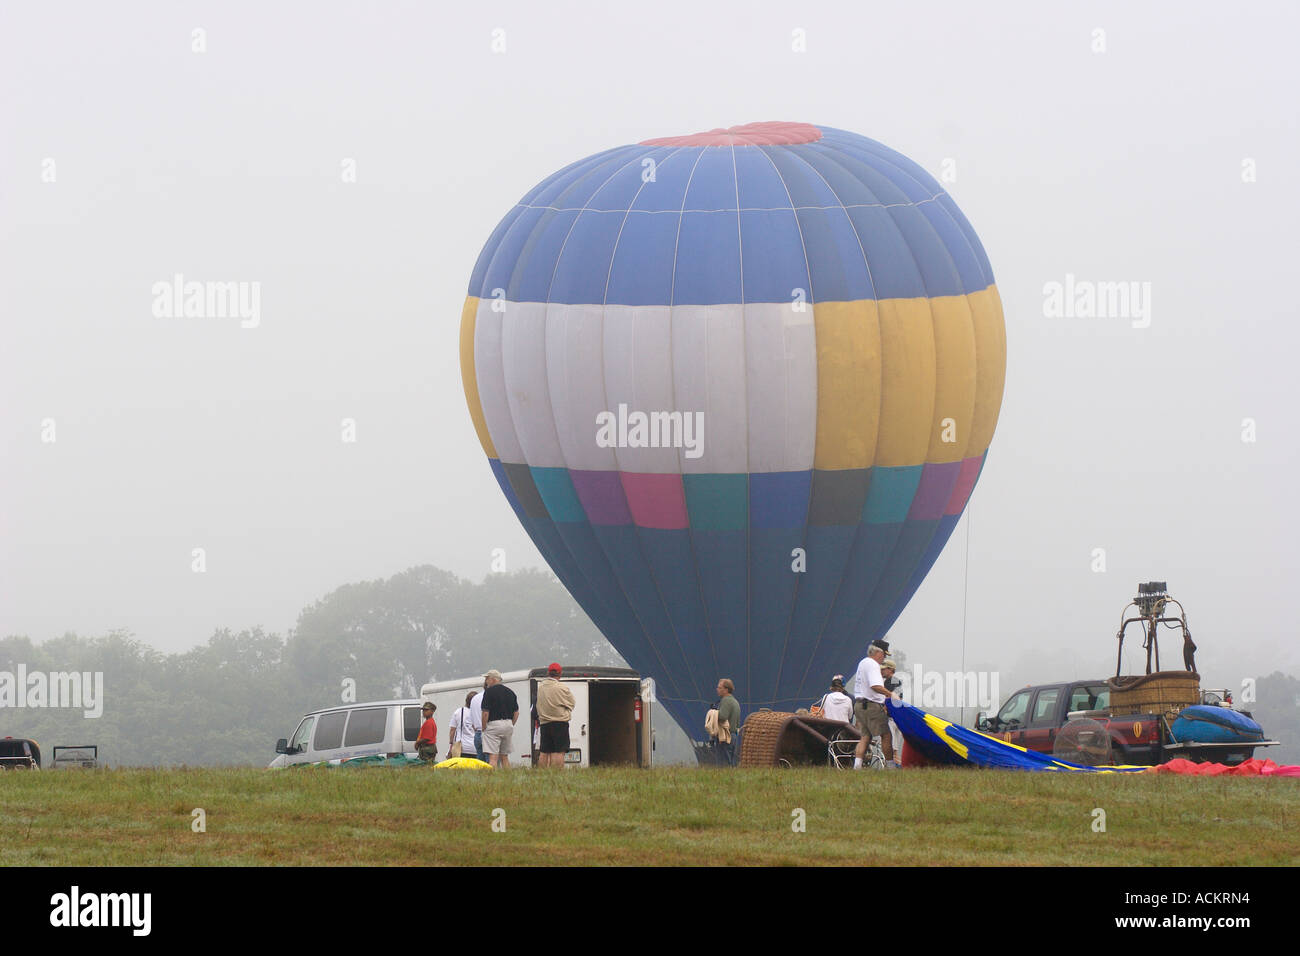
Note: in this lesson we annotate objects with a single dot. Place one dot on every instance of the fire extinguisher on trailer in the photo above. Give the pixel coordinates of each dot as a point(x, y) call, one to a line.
point(636, 709)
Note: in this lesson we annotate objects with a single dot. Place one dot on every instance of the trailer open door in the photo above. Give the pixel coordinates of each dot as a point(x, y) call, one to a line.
point(580, 725)
point(579, 752)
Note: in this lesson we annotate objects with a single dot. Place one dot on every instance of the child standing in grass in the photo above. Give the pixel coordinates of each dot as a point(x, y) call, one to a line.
point(426, 745)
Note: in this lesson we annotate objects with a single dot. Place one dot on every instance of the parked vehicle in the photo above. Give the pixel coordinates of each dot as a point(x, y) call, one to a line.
point(611, 722)
point(385, 728)
point(1145, 719)
point(19, 753)
point(1034, 716)
point(75, 756)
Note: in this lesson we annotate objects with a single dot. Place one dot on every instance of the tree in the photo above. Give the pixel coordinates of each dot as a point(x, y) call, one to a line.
point(386, 636)
point(1276, 708)
point(228, 700)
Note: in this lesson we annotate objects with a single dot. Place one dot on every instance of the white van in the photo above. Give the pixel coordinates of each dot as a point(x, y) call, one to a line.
point(333, 734)
point(611, 722)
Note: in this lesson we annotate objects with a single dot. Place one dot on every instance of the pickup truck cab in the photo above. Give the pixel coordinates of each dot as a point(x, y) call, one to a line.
point(1032, 717)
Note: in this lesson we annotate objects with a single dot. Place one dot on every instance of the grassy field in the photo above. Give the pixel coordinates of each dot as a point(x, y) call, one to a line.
point(670, 816)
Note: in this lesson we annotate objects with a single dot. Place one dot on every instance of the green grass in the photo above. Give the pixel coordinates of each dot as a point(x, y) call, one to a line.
point(669, 816)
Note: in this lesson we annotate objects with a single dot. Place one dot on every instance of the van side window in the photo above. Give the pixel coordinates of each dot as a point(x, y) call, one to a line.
point(329, 730)
point(366, 726)
point(411, 723)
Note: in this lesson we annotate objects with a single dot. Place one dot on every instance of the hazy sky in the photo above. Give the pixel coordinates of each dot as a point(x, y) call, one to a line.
point(1167, 158)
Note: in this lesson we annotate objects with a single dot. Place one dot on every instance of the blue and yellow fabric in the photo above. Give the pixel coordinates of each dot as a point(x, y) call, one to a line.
point(823, 303)
point(947, 743)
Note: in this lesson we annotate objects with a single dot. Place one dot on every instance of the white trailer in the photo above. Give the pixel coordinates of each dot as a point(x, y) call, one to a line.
point(611, 722)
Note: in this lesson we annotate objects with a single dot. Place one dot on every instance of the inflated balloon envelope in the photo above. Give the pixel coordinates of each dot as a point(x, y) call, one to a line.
point(738, 387)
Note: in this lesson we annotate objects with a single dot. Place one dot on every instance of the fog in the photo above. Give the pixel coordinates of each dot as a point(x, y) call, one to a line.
point(352, 161)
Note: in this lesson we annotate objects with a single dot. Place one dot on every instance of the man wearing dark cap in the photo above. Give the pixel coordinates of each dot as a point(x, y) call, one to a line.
point(555, 705)
point(426, 745)
point(869, 696)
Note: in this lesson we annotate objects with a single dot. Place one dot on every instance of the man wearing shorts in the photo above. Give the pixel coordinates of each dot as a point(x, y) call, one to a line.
point(869, 696)
point(555, 705)
point(500, 712)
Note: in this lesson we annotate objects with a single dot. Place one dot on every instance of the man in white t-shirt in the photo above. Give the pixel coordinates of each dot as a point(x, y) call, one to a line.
point(462, 727)
point(869, 696)
point(837, 705)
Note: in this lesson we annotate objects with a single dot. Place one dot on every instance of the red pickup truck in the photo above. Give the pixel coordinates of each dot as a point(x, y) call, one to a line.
point(1033, 718)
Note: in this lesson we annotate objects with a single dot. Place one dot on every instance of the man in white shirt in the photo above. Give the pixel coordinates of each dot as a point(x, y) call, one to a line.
point(869, 696)
point(837, 705)
point(462, 728)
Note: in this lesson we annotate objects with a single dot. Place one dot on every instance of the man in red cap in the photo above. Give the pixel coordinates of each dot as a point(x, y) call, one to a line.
point(555, 705)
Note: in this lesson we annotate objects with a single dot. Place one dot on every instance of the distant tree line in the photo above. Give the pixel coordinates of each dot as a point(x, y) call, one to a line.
point(1276, 708)
point(226, 701)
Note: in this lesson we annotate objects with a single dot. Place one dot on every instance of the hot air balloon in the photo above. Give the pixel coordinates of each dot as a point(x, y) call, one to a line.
point(738, 387)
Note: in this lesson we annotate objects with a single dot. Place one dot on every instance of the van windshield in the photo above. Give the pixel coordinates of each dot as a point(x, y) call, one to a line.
point(302, 734)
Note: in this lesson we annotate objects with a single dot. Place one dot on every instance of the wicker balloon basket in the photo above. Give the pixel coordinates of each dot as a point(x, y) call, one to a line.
point(772, 738)
point(1164, 692)
point(760, 737)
